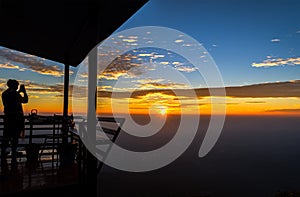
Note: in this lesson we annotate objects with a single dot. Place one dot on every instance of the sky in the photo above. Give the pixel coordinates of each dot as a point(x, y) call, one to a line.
point(254, 45)
point(250, 41)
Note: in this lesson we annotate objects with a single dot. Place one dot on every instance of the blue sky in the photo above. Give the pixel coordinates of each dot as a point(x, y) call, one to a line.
point(250, 41)
point(237, 34)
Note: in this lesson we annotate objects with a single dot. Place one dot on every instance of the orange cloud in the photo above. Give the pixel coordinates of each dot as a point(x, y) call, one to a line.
point(29, 62)
point(9, 66)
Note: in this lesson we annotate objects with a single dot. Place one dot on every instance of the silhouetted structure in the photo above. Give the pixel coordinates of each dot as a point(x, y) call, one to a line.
point(66, 36)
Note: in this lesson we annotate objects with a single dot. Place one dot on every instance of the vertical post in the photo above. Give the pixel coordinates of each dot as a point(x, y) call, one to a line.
point(30, 130)
point(92, 91)
point(66, 90)
point(91, 122)
point(66, 103)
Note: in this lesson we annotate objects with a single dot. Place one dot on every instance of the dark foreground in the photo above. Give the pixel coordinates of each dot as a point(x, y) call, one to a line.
point(254, 156)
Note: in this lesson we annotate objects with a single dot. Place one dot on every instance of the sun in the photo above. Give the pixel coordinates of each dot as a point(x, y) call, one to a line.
point(163, 110)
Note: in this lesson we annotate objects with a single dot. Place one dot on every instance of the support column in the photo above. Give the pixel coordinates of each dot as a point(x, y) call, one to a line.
point(92, 121)
point(66, 103)
point(66, 90)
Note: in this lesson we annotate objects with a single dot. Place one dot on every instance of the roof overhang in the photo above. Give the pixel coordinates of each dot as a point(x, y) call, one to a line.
point(61, 30)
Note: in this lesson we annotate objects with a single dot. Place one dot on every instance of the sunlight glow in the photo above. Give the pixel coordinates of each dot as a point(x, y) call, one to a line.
point(163, 110)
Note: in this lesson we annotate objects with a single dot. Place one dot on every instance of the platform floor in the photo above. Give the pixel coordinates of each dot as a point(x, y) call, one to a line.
point(27, 177)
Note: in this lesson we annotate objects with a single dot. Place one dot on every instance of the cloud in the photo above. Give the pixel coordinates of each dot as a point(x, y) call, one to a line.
point(129, 40)
point(180, 67)
point(265, 90)
point(44, 88)
point(187, 69)
point(278, 62)
point(164, 63)
point(186, 105)
point(3, 84)
point(296, 110)
point(275, 40)
point(105, 87)
point(122, 66)
point(33, 96)
point(275, 89)
point(155, 56)
point(178, 41)
point(255, 102)
point(47, 70)
point(30, 62)
point(128, 65)
point(36, 90)
point(156, 85)
point(133, 37)
point(9, 66)
point(149, 80)
point(177, 63)
point(163, 92)
point(298, 32)
point(145, 55)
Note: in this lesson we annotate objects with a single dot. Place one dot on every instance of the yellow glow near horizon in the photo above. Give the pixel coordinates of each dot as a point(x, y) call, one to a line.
point(162, 104)
point(163, 110)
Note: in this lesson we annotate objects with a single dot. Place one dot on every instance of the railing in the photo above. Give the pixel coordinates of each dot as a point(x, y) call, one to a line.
point(110, 127)
point(44, 131)
point(47, 132)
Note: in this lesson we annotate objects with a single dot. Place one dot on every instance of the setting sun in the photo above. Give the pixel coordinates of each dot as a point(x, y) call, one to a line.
point(163, 110)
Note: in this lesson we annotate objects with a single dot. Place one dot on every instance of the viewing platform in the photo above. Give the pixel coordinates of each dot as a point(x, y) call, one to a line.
point(49, 157)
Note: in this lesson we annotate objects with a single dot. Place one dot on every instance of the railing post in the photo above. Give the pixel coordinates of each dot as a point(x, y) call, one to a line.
point(30, 130)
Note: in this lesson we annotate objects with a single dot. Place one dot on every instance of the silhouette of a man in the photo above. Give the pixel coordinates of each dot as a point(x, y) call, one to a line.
point(13, 117)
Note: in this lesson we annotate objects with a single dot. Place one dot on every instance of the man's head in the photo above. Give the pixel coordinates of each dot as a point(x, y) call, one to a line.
point(13, 84)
